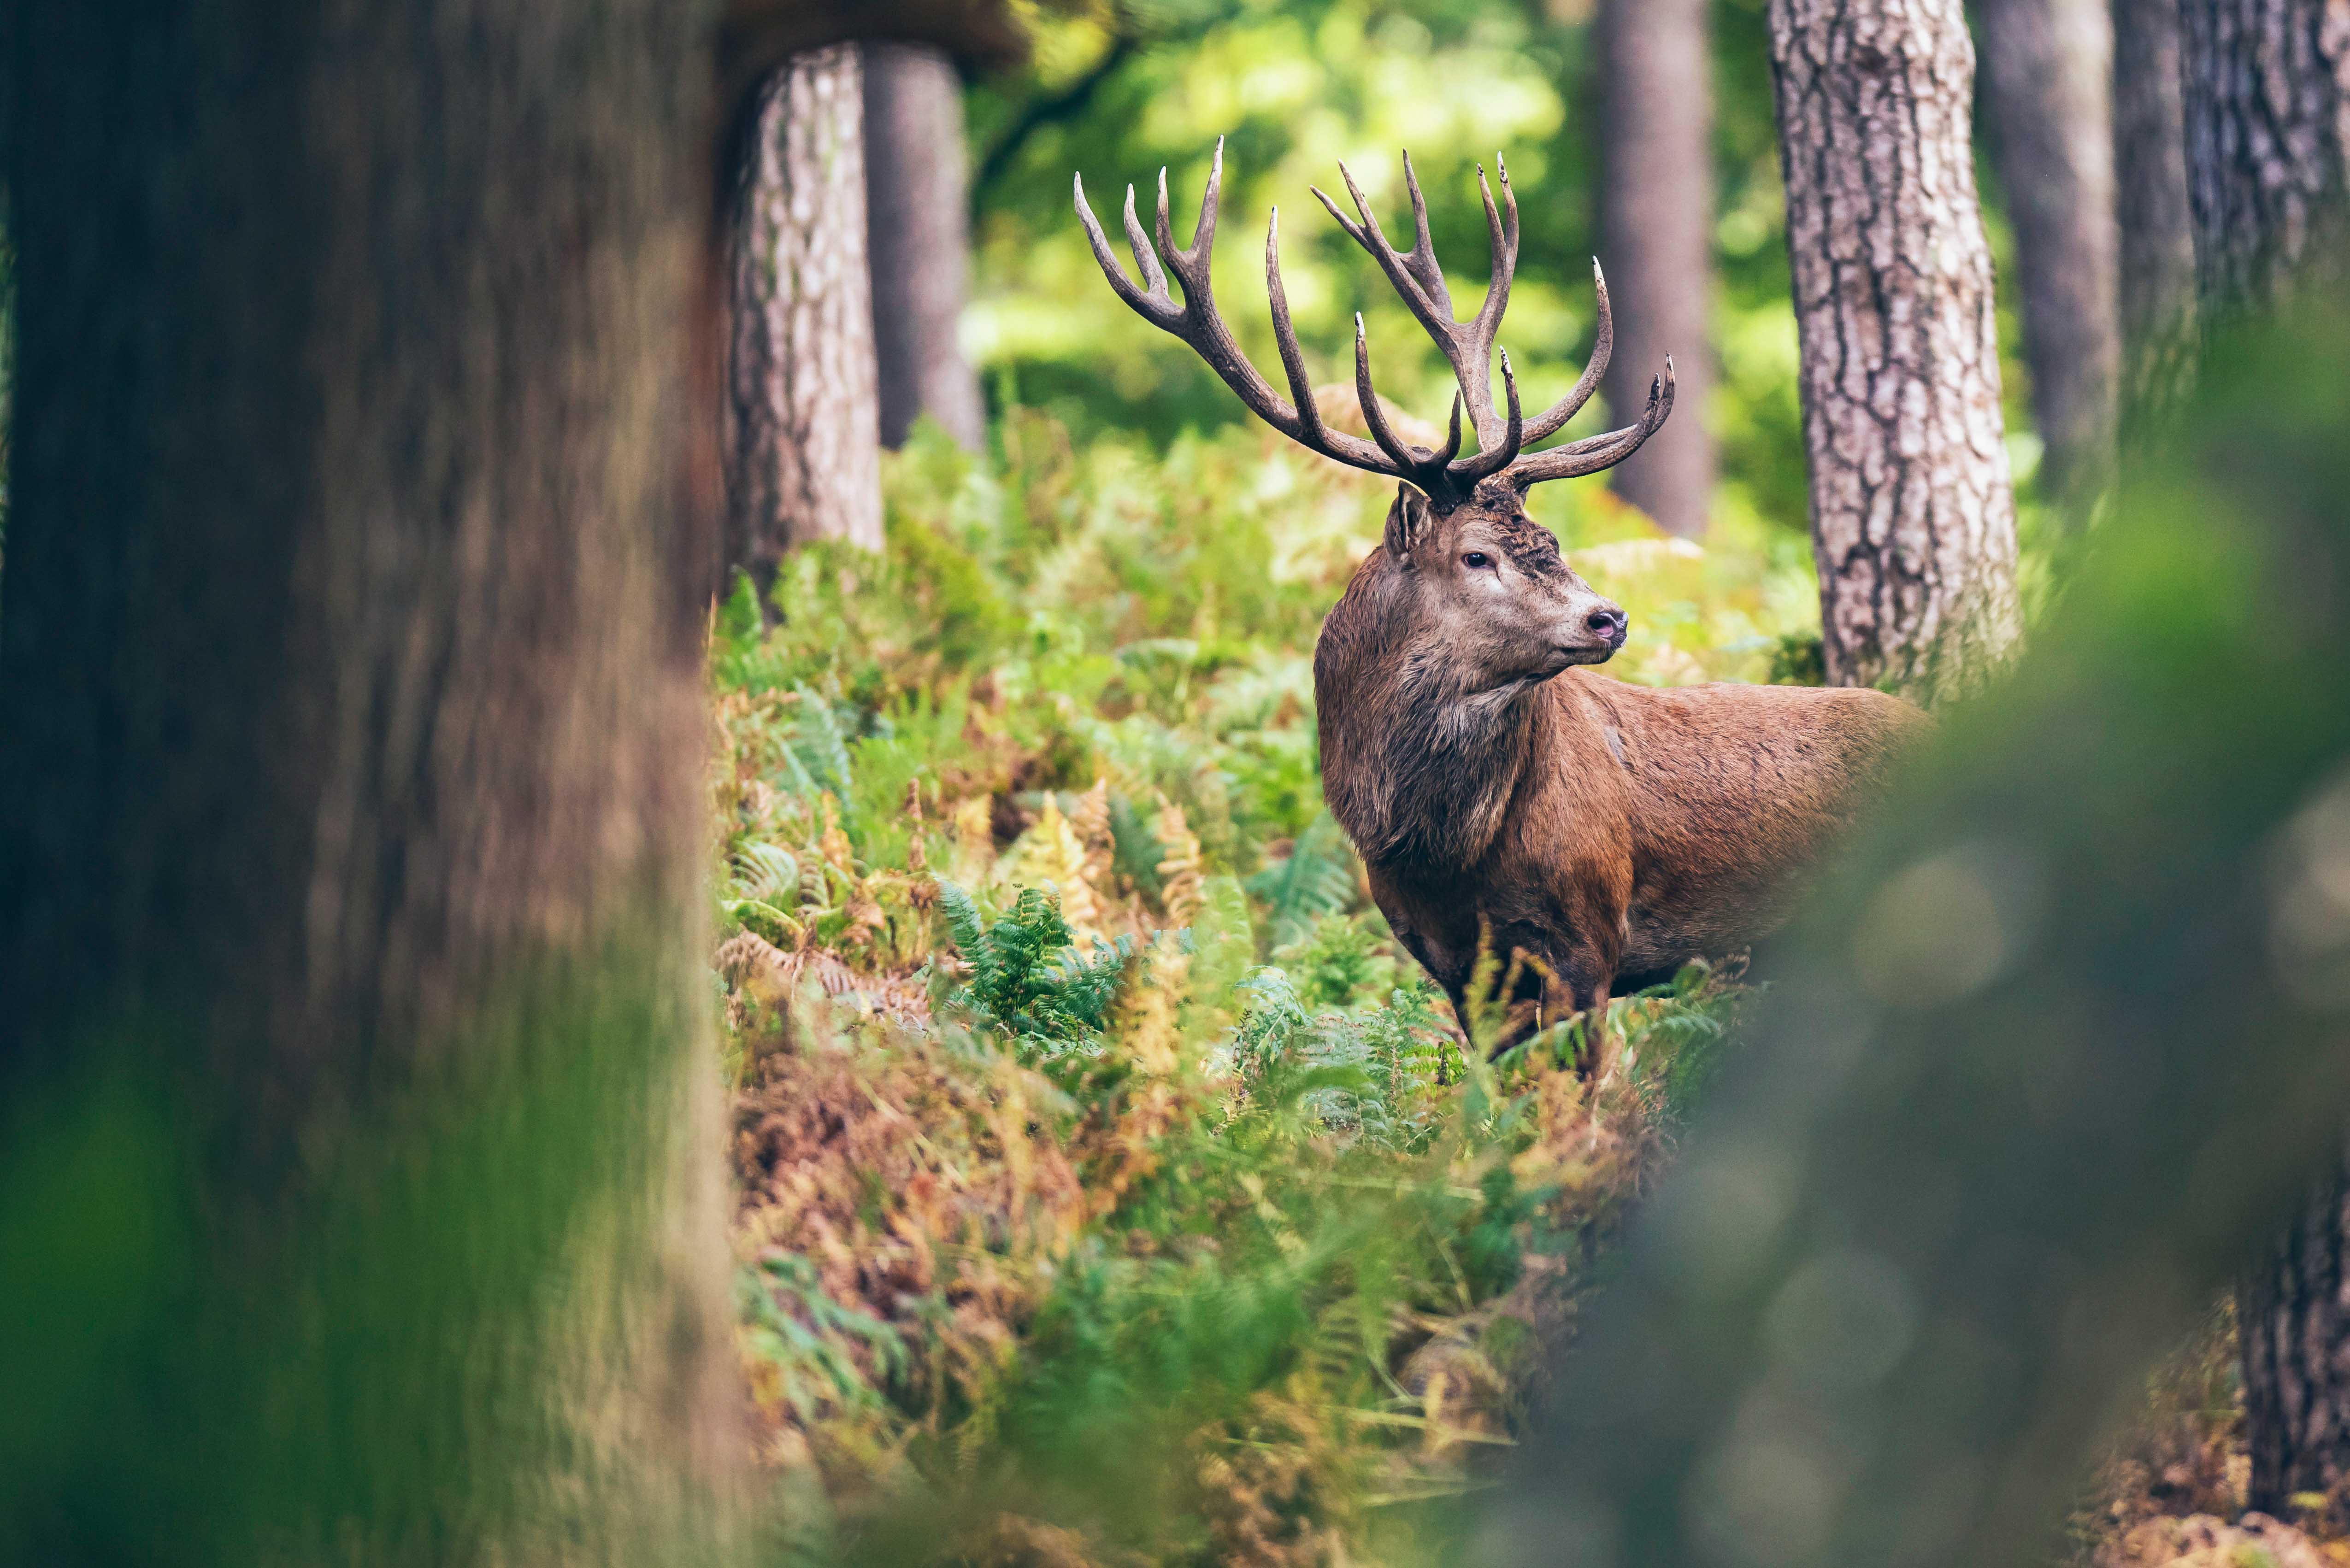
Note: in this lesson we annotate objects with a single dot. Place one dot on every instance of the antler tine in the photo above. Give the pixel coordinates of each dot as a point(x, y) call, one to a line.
point(1284, 337)
point(1600, 451)
point(1421, 258)
point(1551, 421)
point(1145, 258)
point(1195, 321)
point(1152, 305)
point(1372, 238)
point(1409, 462)
point(1505, 250)
point(1470, 469)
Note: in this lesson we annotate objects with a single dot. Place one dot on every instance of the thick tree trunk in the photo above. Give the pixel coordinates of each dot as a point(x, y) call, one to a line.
point(2293, 1314)
point(917, 201)
point(803, 448)
point(2047, 70)
point(2267, 86)
point(2158, 235)
point(1656, 240)
point(1913, 516)
point(353, 1061)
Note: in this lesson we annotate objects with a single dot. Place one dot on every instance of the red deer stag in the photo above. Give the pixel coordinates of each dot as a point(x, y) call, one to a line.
point(1608, 832)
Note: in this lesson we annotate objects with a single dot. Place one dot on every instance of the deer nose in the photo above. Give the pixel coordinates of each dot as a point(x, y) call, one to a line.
point(1612, 624)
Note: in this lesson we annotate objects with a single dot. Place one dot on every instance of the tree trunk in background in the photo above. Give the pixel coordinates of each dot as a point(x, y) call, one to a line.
point(918, 221)
point(358, 1117)
point(2267, 111)
point(2267, 88)
point(1656, 240)
point(2158, 235)
point(2047, 71)
point(1913, 517)
point(802, 450)
point(2293, 1314)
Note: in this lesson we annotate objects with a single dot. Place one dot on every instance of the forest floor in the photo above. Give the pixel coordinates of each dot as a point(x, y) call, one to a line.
point(1111, 1189)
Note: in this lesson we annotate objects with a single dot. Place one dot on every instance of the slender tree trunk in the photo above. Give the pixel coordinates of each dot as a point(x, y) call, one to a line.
point(2293, 1313)
point(2158, 235)
point(918, 202)
point(357, 1115)
point(2267, 86)
point(2047, 70)
point(1656, 240)
point(1913, 517)
point(2267, 108)
point(802, 448)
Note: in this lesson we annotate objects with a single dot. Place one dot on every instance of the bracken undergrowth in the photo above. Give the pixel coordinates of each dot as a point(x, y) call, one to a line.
point(1112, 1188)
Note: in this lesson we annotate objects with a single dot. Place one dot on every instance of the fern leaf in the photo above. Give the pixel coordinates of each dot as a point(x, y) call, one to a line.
point(1316, 879)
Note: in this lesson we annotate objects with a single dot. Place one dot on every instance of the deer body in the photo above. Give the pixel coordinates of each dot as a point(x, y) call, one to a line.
point(1607, 831)
point(1611, 832)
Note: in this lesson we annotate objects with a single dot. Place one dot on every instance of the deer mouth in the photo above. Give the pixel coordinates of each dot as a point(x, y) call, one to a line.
point(1567, 654)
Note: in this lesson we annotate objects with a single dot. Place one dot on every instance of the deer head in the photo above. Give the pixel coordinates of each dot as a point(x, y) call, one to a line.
point(1494, 477)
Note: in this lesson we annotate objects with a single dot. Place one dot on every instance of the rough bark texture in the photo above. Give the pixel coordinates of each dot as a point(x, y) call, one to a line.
point(2158, 233)
point(350, 721)
point(1913, 516)
point(917, 204)
point(2267, 86)
point(1656, 240)
point(2047, 67)
point(2294, 1316)
point(802, 446)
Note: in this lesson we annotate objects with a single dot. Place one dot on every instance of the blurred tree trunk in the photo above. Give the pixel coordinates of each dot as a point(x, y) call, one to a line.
point(2267, 113)
point(2293, 1313)
point(802, 450)
point(2267, 86)
point(1656, 240)
point(918, 222)
point(357, 1113)
point(1913, 516)
point(2049, 1055)
point(2047, 71)
point(2158, 235)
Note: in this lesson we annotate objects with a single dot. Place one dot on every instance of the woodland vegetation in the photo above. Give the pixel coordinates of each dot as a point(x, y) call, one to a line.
point(664, 893)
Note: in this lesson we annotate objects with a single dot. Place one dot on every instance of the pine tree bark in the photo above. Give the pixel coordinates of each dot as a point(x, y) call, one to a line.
point(354, 1052)
point(2267, 88)
point(1656, 240)
point(2047, 70)
point(917, 204)
point(1913, 515)
point(801, 428)
point(2293, 1314)
point(2158, 235)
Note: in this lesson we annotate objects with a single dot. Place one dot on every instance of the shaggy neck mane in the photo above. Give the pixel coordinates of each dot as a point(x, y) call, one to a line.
point(1415, 769)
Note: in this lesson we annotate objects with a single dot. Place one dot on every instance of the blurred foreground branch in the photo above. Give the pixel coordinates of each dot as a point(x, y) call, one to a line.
point(2047, 1065)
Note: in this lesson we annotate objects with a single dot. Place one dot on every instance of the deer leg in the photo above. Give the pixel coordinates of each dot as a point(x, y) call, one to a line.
point(1584, 970)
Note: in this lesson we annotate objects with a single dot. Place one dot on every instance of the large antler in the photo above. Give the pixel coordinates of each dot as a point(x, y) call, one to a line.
point(1195, 321)
point(1468, 346)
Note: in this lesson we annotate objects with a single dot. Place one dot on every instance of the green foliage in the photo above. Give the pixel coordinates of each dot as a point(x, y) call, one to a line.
point(1033, 799)
point(1026, 979)
point(1317, 877)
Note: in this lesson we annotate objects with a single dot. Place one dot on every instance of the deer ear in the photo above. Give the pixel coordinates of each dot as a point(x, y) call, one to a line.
point(1407, 521)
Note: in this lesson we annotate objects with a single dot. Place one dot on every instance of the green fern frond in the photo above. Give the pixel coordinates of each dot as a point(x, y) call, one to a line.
point(1317, 878)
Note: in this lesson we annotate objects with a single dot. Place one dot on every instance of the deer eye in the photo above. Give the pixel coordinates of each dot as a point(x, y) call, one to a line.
point(1476, 558)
